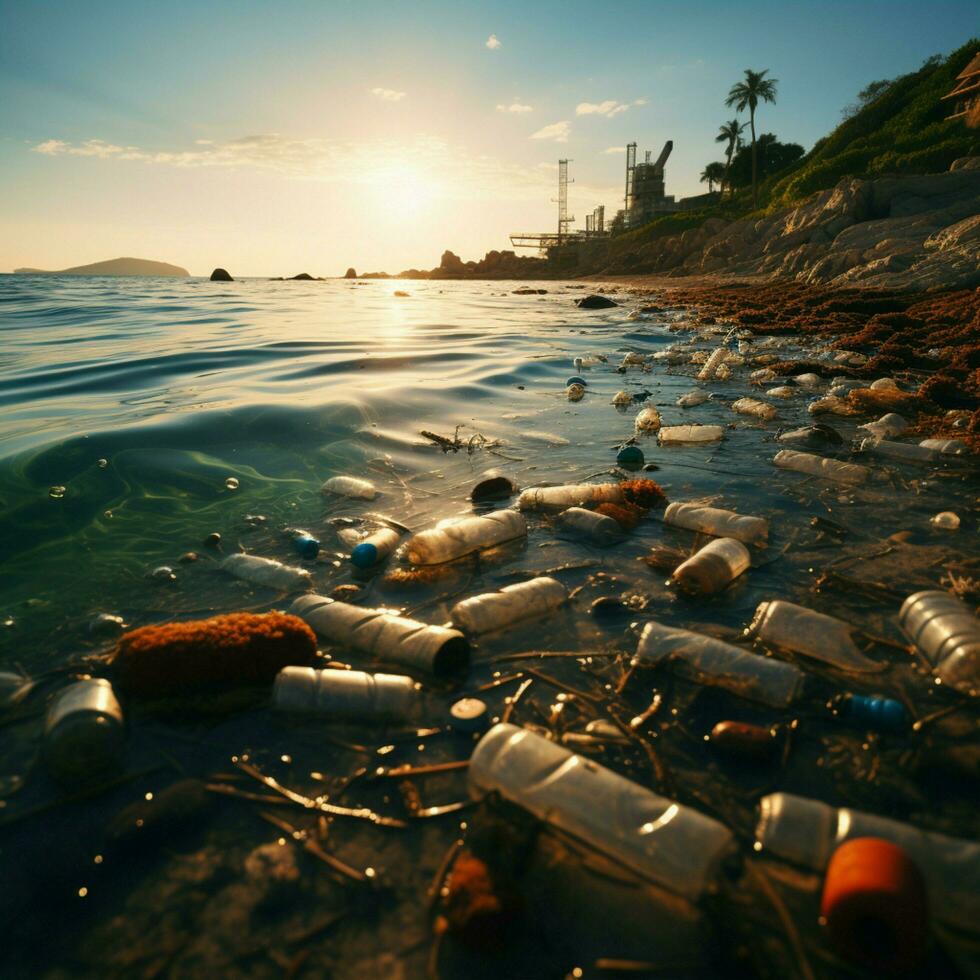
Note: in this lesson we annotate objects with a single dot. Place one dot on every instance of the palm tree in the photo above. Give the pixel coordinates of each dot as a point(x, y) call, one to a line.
point(713, 174)
point(730, 133)
point(746, 95)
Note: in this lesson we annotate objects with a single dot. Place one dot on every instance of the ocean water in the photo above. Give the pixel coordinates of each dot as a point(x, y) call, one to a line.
point(141, 415)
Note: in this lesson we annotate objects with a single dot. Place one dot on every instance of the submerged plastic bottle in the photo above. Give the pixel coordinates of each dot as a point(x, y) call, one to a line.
point(570, 495)
point(598, 528)
point(393, 639)
point(948, 634)
point(945, 447)
point(826, 469)
point(709, 661)
point(345, 694)
point(718, 522)
point(350, 486)
point(713, 568)
point(670, 844)
point(454, 539)
point(648, 420)
point(825, 638)
point(715, 360)
point(497, 610)
point(887, 426)
point(755, 406)
point(898, 450)
point(84, 733)
point(268, 572)
point(692, 398)
point(690, 433)
point(806, 832)
point(376, 547)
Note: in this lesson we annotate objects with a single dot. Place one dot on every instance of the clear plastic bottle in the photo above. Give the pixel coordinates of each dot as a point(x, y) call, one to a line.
point(944, 628)
point(754, 406)
point(647, 420)
point(715, 360)
point(671, 434)
point(825, 638)
point(709, 661)
point(390, 638)
point(345, 694)
point(570, 495)
point(84, 733)
point(268, 572)
point(713, 568)
point(513, 604)
point(670, 844)
point(826, 469)
point(454, 539)
point(718, 522)
point(690, 399)
point(887, 426)
point(945, 447)
point(782, 391)
point(904, 451)
point(598, 528)
point(376, 547)
point(350, 486)
point(806, 832)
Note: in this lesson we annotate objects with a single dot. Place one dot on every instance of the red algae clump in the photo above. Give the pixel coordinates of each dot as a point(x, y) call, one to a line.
point(475, 911)
point(643, 493)
point(627, 517)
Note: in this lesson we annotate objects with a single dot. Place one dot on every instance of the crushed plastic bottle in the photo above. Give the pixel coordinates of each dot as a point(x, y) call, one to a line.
point(718, 522)
point(713, 568)
point(350, 486)
point(946, 521)
point(267, 572)
point(647, 420)
point(670, 844)
point(513, 604)
point(391, 638)
point(84, 733)
point(816, 635)
point(713, 363)
point(887, 426)
point(622, 398)
point(375, 548)
point(674, 434)
point(570, 495)
point(345, 694)
point(575, 392)
point(948, 634)
point(706, 660)
point(755, 407)
point(945, 447)
point(454, 539)
point(826, 469)
point(691, 399)
point(898, 450)
point(597, 528)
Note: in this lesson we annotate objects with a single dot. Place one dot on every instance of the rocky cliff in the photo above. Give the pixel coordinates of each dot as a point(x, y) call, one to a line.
point(114, 267)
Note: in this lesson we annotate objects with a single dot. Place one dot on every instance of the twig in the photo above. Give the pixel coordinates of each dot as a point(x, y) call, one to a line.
point(512, 701)
point(314, 848)
point(784, 918)
point(409, 770)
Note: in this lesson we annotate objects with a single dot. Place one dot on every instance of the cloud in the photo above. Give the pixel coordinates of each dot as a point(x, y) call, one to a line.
point(388, 94)
point(608, 108)
point(493, 43)
point(614, 149)
point(559, 132)
point(515, 107)
point(640, 101)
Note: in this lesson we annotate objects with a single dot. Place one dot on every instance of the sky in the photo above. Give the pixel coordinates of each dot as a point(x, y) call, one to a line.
point(313, 135)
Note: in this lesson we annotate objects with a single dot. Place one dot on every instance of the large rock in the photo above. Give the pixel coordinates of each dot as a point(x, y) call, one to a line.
point(595, 302)
point(304, 276)
point(221, 275)
point(351, 273)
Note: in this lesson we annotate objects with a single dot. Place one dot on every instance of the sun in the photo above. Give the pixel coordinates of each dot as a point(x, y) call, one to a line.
point(405, 192)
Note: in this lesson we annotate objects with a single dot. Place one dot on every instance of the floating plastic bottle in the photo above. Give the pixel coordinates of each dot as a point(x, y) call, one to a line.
point(589, 360)
point(887, 426)
point(350, 486)
point(825, 638)
point(948, 634)
point(946, 520)
point(386, 636)
point(713, 568)
point(648, 420)
point(84, 733)
point(268, 572)
point(454, 539)
point(597, 528)
point(904, 451)
point(763, 374)
point(782, 391)
point(709, 661)
point(570, 495)
point(826, 469)
point(718, 522)
point(690, 399)
point(715, 360)
point(513, 604)
point(671, 434)
point(622, 398)
point(755, 407)
point(345, 694)
point(816, 436)
point(806, 832)
point(738, 738)
point(575, 393)
point(306, 545)
point(945, 447)
point(876, 714)
point(376, 547)
point(634, 358)
point(808, 380)
point(665, 842)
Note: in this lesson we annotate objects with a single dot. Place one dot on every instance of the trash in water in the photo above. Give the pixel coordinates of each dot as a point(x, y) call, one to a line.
point(375, 548)
point(576, 380)
point(350, 695)
point(713, 568)
point(106, 624)
point(630, 457)
point(672, 434)
point(454, 539)
point(876, 714)
point(816, 436)
point(513, 604)
point(756, 407)
point(305, 544)
point(743, 740)
point(575, 393)
point(948, 634)
point(946, 447)
point(56, 493)
point(571, 495)
point(692, 398)
point(897, 450)
point(820, 466)
point(268, 572)
point(350, 486)
point(887, 426)
point(84, 733)
point(163, 573)
point(647, 420)
point(622, 398)
point(945, 520)
point(712, 364)
point(597, 528)
point(469, 715)
point(13, 689)
point(493, 488)
point(718, 522)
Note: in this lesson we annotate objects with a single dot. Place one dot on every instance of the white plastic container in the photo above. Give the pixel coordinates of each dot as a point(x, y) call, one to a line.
point(755, 407)
point(268, 572)
point(386, 636)
point(513, 604)
point(675, 434)
point(948, 634)
point(718, 522)
point(806, 833)
point(84, 733)
point(454, 539)
point(647, 420)
point(570, 495)
point(826, 469)
point(887, 426)
point(907, 452)
point(350, 695)
point(597, 528)
point(375, 548)
point(692, 398)
point(667, 843)
point(713, 568)
point(711, 365)
point(825, 638)
point(350, 486)
point(709, 661)
point(946, 447)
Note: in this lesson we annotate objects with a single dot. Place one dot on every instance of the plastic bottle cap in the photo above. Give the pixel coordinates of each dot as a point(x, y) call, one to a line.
point(306, 545)
point(576, 380)
point(469, 715)
point(364, 555)
point(630, 456)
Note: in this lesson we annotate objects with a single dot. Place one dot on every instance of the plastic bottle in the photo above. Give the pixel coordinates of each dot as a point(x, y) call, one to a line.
point(718, 522)
point(782, 391)
point(376, 547)
point(393, 639)
point(633, 358)
point(948, 634)
point(713, 568)
point(570, 495)
point(946, 520)
point(597, 528)
point(815, 436)
point(826, 469)
point(670, 434)
point(888, 426)
point(711, 365)
point(756, 407)
point(648, 420)
point(806, 832)
point(350, 486)
point(825, 638)
point(709, 661)
point(347, 694)
point(738, 738)
point(898, 450)
point(876, 714)
point(469, 715)
point(575, 393)
point(946, 447)
point(622, 398)
point(84, 733)
point(268, 572)
point(763, 374)
point(306, 545)
point(498, 610)
point(808, 380)
point(454, 539)
point(692, 398)
point(667, 843)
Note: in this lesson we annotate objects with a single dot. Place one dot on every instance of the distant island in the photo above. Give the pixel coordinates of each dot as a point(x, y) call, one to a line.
point(113, 267)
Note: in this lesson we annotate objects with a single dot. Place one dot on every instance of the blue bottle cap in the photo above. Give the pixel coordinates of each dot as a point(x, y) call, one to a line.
point(576, 380)
point(469, 715)
point(364, 555)
point(306, 545)
point(878, 714)
point(630, 456)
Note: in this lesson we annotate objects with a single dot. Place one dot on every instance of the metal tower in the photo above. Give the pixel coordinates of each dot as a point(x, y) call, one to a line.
point(630, 168)
point(564, 218)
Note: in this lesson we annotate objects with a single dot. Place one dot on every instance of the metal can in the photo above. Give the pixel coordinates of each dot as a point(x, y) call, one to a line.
point(84, 732)
point(349, 694)
point(948, 634)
